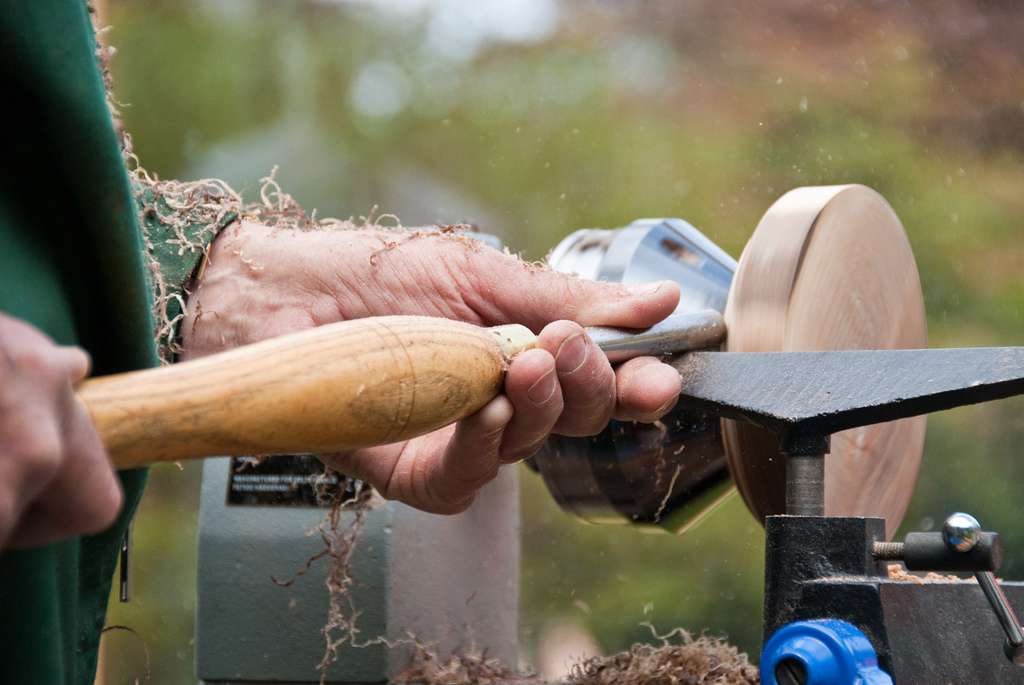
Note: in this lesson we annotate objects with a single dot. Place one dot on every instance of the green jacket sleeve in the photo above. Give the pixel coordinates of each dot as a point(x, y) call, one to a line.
point(179, 221)
point(70, 264)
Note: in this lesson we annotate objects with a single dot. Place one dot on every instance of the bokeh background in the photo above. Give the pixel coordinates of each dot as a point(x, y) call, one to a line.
point(536, 117)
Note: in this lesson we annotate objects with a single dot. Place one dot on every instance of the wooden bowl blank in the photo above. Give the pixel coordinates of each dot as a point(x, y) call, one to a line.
point(829, 268)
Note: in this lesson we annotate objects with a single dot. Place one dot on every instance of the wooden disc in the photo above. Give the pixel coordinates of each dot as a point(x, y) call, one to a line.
point(829, 268)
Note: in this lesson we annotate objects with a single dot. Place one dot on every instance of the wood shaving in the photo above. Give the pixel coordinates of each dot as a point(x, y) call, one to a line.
point(680, 659)
point(473, 667)
point(899, 572)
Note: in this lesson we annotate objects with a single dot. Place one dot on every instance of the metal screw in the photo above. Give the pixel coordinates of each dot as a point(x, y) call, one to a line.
point(961, 532)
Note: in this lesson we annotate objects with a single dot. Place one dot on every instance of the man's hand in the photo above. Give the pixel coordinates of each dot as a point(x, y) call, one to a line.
point(55, 478)
point(262, 282)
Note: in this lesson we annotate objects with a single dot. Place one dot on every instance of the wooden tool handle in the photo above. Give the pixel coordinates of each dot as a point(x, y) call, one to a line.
point(336, 387)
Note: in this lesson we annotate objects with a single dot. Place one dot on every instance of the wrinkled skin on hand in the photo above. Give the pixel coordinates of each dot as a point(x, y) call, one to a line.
point(262, 282)
point(55, 477)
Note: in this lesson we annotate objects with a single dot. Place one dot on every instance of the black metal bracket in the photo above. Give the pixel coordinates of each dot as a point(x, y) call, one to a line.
point(924, 631)
point(943, 630)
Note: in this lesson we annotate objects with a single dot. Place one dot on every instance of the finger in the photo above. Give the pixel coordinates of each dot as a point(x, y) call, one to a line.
point(373, 465)
point(585, 376)
point(29, 461)
point(470, 460)
point(10, 502)
point(20, 481)
point(398, 471)
point(439, 472)
point(646, 390)
point(531, 384)
point(85, 495)
point(510, 290)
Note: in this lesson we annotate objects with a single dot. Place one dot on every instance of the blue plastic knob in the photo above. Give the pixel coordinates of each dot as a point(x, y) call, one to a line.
point(821, 652)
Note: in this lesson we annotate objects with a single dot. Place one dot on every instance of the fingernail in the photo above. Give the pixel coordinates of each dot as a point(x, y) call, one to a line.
point(571, 354)
point(542, 389)
point(645, 289)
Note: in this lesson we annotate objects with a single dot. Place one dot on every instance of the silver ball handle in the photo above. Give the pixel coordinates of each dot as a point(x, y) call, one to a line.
point(961, 531)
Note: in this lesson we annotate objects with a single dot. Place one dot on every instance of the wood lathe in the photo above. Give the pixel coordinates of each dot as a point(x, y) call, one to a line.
point(812, 409)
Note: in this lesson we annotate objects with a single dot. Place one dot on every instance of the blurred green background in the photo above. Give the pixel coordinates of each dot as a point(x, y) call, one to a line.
point(537, 117)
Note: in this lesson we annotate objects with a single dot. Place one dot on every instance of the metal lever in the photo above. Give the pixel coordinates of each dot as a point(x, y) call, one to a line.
point(677, 333)
point(1014, 646)
point(961, 533)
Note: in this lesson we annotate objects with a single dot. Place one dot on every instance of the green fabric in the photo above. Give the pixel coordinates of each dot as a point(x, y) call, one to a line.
point(177, 257)
point(177, 263)
point(71, 263)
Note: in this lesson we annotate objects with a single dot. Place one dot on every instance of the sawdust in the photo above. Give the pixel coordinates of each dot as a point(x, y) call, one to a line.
point(668, 494)
point(403, 235)
point(193, 213)
point(472, 667)
point(680, 659)
point(899, 572)
point(104, 54)
point(340, 542)
point(661, 465)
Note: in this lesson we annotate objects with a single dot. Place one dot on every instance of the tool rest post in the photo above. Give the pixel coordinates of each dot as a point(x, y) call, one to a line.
point(805, 485)
point(805, 474)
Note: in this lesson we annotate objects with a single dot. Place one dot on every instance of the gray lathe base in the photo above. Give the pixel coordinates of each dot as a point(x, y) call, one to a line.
point(453, 581)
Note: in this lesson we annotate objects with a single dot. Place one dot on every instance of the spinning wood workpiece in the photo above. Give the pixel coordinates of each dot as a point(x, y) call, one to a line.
point(829, 268)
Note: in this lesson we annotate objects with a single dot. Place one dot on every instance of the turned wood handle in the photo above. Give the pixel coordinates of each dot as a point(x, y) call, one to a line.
point(336, 387)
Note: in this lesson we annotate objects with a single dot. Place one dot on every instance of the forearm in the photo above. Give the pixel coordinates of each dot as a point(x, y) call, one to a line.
point(264, 281)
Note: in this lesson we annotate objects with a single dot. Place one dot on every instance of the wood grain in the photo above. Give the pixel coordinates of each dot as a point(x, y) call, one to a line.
point(336, 387)
point(829, 268)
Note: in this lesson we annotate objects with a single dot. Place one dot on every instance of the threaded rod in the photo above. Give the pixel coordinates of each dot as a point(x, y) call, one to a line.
point(887, 551)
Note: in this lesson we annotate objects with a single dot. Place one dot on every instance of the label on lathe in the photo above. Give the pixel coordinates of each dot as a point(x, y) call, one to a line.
point(287, 480)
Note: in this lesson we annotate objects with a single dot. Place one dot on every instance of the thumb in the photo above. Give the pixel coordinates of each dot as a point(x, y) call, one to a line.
point(511, 290)
point(77, 362)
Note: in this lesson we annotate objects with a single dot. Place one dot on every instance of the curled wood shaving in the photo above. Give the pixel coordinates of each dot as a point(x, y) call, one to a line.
point(680, 659)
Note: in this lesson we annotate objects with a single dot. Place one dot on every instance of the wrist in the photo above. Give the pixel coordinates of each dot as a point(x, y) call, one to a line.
point(259, 282)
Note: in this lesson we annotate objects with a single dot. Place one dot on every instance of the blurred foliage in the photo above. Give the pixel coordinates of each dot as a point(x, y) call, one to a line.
point(704, 110)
